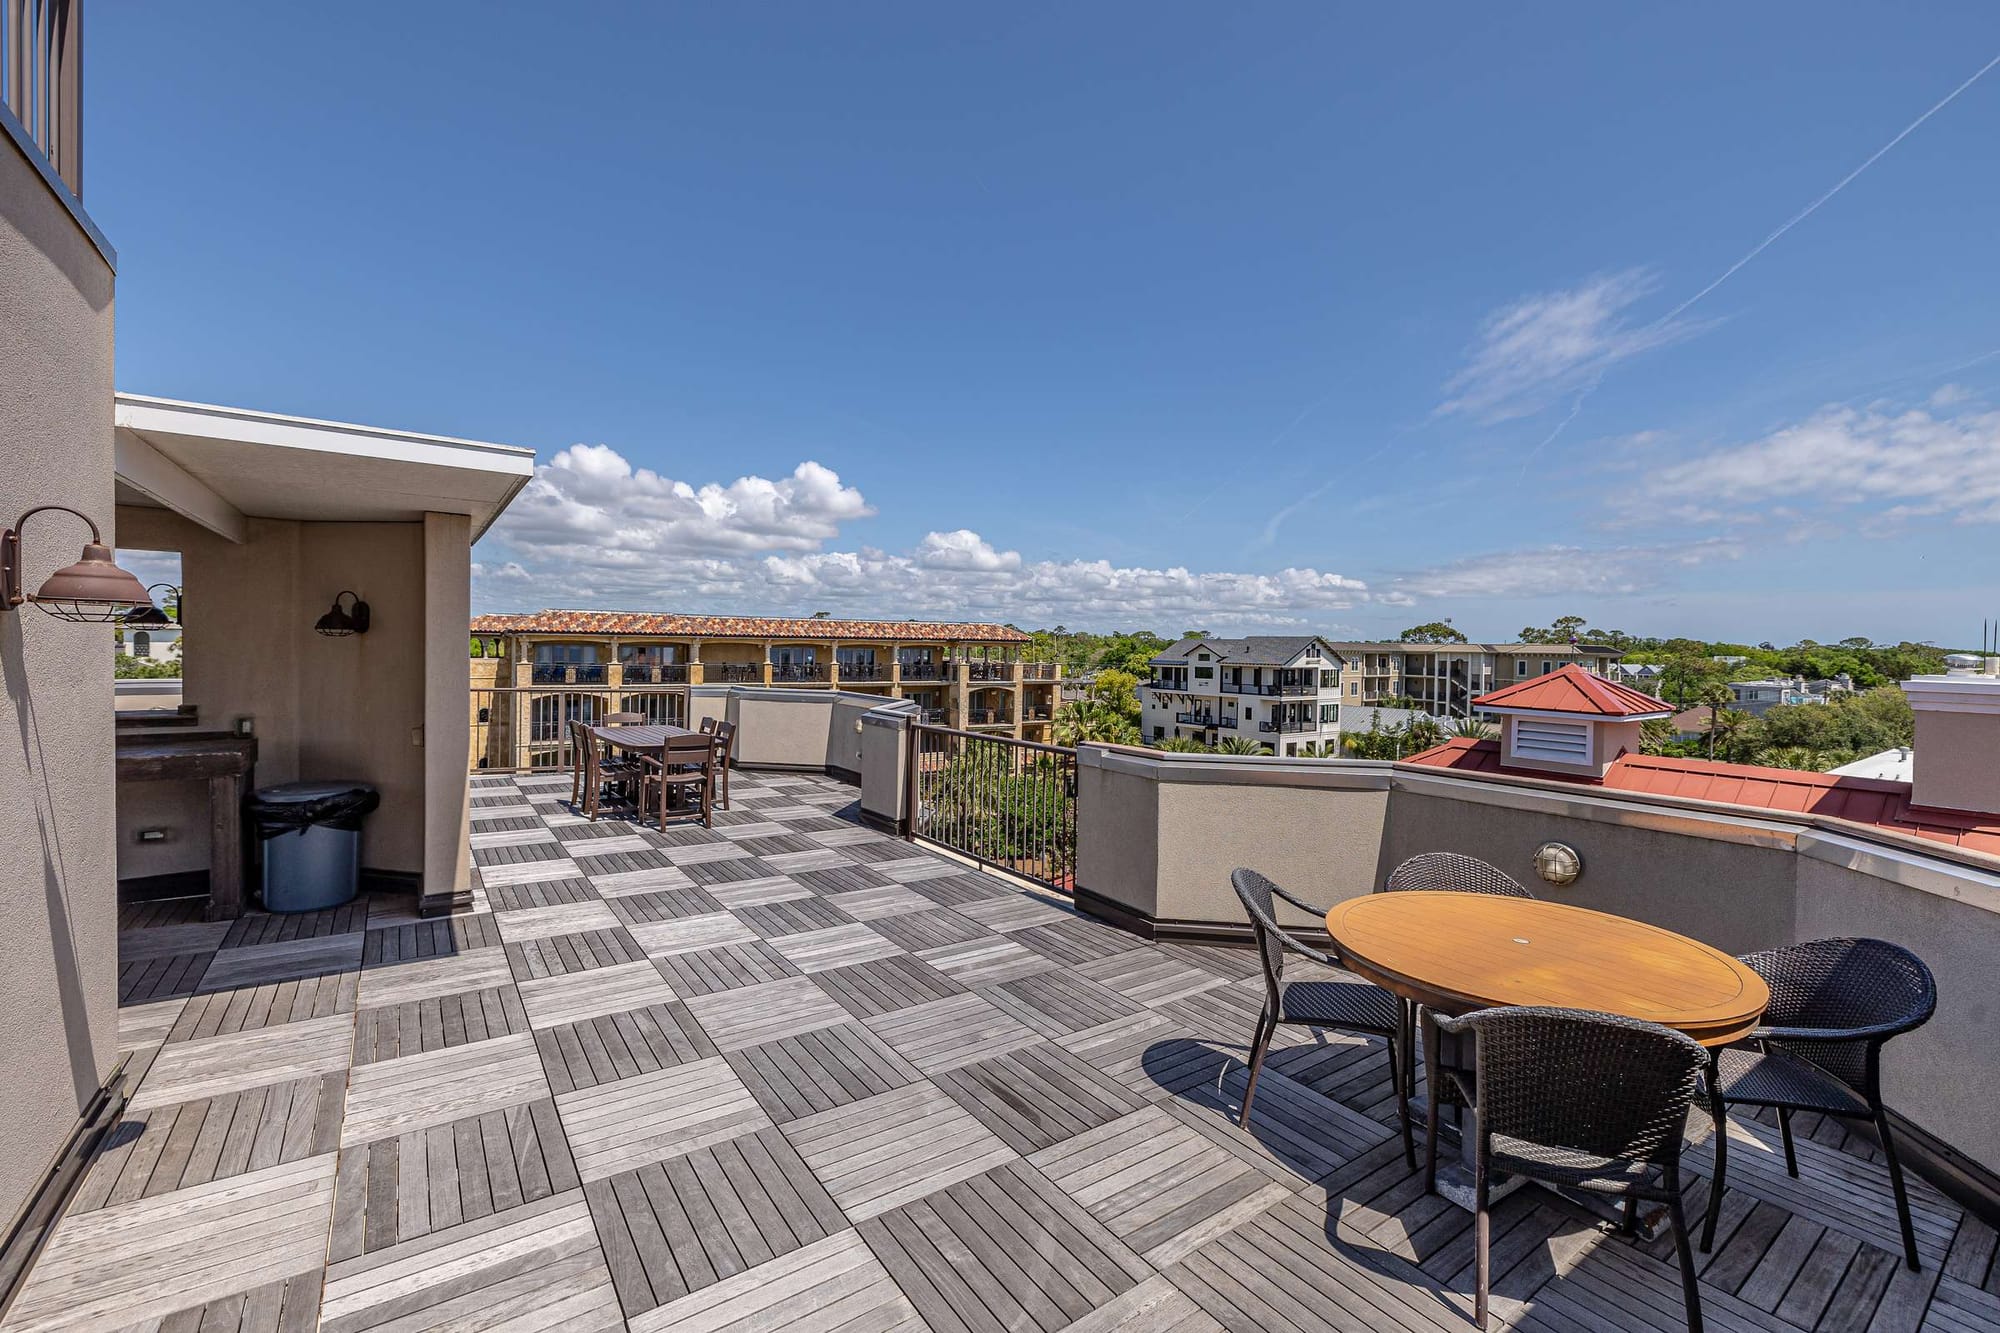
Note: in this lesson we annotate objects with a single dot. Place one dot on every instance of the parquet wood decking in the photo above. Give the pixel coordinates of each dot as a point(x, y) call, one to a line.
point(790, 1073)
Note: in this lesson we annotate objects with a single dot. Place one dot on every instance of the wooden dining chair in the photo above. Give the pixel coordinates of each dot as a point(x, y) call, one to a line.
point(623, 719)
point(685, 764)
point(1350, 1006)
point(725, 752)
point(708, 726)
point(1579, 1100)
point(596, 770)
point(1833, 1005)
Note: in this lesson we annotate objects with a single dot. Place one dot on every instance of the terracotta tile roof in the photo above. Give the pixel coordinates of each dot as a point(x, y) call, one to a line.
point(751, 627)
point(1571, 689)
point(1857, 800)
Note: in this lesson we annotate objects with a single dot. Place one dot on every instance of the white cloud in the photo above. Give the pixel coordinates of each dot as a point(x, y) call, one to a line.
point(591, 530)
point(1553, 571)
point(1875, 463)
point(1550, 344)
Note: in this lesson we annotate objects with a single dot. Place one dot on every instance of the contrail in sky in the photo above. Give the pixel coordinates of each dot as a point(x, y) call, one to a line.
point(1844, 182)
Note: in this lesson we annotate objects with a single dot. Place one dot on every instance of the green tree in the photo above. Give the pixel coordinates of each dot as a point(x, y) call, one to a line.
point(1090, 720)
point(1716, 696)
point(1476, 728)
point(1118, 690)
point(1436, 631)
point(1182, 745)
point(1239, 745)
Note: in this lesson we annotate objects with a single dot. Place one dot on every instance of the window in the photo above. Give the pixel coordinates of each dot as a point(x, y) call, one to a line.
point(1548, 667)
point(142, 644)
point(649, 654)
point(565, 654)
point(1159, 733)
point(1555, 742)
point(1354, 687)
point(1204, 673)
point(1201, 657)
point(1521, 666)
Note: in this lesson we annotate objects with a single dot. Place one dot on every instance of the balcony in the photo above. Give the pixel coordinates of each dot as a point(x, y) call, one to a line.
point(1289, 727)
point(666, 673)
point(1040, 671)
point(732, 673)
point(922, 671)
point(1037, 713)
point(863, 673)
point(987, 717)
point(1205, 720)
point(998, 672)
point(1291, 689)
point(800, 673)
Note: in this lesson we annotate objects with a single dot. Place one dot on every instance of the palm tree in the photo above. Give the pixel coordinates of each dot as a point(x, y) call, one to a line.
point(1239, 745)
point(1716, 697)
point(1319, 750)
point(1182, 745)
point(1472, 728)
point(1092, 720)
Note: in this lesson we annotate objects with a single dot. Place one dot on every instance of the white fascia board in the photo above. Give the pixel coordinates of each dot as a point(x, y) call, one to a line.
point(1954, 694)
point(1550, 716)
point(146, 470)
point(168, 416)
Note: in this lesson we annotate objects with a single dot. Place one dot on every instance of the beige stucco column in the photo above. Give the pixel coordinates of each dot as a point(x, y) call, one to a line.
point(446, 734)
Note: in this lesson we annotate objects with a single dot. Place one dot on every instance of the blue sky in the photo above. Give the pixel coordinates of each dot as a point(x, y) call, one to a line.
point(1112, 315)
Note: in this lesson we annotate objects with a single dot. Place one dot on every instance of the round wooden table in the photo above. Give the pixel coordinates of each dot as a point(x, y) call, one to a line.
point(1456, 952)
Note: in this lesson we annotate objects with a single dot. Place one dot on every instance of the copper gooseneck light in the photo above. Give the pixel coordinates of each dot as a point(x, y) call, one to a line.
point(94, 589)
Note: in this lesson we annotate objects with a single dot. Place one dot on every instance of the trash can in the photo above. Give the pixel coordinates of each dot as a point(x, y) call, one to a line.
point(311, 837)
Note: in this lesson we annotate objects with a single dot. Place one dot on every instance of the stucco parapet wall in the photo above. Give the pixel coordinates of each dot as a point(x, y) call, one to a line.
point(1903, 858)
point(1238, 770)
point(24, 143)
point(897, 713)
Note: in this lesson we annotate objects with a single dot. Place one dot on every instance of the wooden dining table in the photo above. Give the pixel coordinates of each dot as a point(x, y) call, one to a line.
point(1456, 952)
point(643, 738)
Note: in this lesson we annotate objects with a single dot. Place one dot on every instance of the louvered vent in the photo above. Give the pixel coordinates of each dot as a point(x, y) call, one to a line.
point(1557, 742)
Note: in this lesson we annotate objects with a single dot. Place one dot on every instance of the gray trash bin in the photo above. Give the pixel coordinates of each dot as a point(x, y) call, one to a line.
point(311, 836)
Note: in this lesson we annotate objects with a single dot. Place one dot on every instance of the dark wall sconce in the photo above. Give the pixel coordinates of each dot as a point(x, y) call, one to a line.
point(94, 589)
point(339, 622)
point(152, 615)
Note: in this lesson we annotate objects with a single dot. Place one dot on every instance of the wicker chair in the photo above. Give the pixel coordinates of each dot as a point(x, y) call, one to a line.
point(1833, 1004)
point(1351, 1006)
point(1449, 872)
point(1580, 1100)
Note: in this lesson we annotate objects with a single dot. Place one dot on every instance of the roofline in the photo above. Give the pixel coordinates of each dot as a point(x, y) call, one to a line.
point(1561, 716)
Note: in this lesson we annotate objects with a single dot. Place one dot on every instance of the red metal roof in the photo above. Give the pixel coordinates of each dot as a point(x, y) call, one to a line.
point(1857, 800)
point(743, 627)
point(1571, 689)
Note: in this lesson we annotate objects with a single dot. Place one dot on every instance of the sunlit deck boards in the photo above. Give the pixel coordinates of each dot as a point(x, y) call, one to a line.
point(792, 1074)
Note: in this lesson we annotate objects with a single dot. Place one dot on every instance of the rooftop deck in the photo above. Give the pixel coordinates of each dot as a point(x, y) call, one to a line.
point(794, 1074)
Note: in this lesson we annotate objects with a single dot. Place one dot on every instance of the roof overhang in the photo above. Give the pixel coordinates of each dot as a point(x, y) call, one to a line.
point(1555, 715)
point(220, 466)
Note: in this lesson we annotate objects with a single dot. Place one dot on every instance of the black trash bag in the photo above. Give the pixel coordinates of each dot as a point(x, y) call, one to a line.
point(340, 811)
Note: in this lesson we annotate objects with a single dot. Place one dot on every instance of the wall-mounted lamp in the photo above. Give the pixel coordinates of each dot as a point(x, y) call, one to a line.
point(152, 616)
point(339, 622)
point(94, 589)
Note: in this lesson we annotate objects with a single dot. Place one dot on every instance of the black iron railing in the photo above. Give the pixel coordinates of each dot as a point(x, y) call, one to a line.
point(732, 673)
point(799, 673)
point(41, 80)
point(1005, 803)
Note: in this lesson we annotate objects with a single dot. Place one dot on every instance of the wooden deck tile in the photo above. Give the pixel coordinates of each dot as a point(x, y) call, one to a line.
point(879, 1153)
point(796, 863)
point(407, 941)
point(986, 960)
point(279, 927)
point(773, 920)
point(565, 999)
point(562, 919)
point(831, 880)
point(535, 1267)
point(426, 1180)
point(752, 1015)
point(161, 978)
point(679, 1226)
point(144, 945)
point(539, 893)
point(816, 1071)
point(716, 872)
point(725, 967)
point(529, 871)
point(1154, 1306)
point(417, 1091)
point(964, 887)
point(1020, 911)
point(1148, 977)
point(608, 1047)
point(1160, 1186)
point(218, 1013)
point(831, 1286)
point(438, 1023)
point(187, 1070)
point(1057, 1004)
point(650, 880)
point(884, 985)
point(933, 928)
point(618, 1126)
point(146, 1259)
point(286, 960)
point(947, 1033)
point(142, 1026)
point(1078, 939)
point(837, 946)
point(689, 933)
point(872, 904)
point(918, 867)
point(559, 955)
point(1037, 1096)
point(1004, 1250)
point(427, 978)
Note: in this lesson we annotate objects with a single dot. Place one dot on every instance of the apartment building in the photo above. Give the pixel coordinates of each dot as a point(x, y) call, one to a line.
point(1280, 691)
point(534, 672)
point(1442, 679)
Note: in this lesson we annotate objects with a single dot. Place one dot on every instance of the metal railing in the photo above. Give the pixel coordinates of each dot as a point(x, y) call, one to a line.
point(732, 673)
point(41, 79)
point(1205, 720)
point(1288, 689)
point(663, 673)
point(1003, 671)
point(527, 726)
point(863, 671)
point(923, 671)
point(985, 717)
point(1005, 803)
point(1288, 726)
point(1038, 671)
point(794, 673)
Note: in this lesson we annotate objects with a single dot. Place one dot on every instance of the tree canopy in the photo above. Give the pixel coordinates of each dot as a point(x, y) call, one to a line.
point(1436, 631)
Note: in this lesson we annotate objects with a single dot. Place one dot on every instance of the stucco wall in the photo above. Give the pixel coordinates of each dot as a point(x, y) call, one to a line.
point(322, 708)
point(58, 905)
point(1955, 764)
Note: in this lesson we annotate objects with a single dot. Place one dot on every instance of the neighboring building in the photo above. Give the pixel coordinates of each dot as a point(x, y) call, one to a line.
point(1758, 697)
point(1280, 691)
point(548, 667)
point(1897, 765)
point(153, 643)
point(1639, 675)
point(1442, 679)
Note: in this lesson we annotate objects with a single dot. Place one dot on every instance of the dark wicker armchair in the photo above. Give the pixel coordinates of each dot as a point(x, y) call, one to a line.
point(1580, 1100)
point(1351, 1006)
point(1833, 1004)
point(1450, 872)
